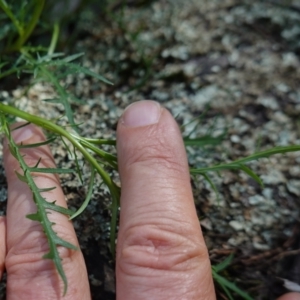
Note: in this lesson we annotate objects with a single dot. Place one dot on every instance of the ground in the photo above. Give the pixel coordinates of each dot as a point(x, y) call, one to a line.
point(231, 67)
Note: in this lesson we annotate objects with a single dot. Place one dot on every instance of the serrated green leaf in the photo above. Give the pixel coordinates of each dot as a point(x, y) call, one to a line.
point(63, 95)
point(43, 206)
point(79, 69)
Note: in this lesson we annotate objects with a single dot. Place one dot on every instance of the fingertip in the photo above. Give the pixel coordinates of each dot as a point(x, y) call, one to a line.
point(290, 296)
point(141, 113)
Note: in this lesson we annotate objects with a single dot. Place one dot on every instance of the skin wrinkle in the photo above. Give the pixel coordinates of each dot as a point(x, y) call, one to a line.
point(152, 147)
point(172, 285)
point(165, 223)
point(152, 162)
point(167, 242)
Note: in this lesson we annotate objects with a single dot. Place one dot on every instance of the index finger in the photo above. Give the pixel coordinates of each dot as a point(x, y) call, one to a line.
point(161, 252)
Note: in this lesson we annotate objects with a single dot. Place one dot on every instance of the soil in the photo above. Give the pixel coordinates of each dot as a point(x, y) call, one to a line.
point(224, 68)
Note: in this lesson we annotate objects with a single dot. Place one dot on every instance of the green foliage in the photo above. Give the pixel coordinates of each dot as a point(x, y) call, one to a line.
point(43, 206)
point(227, 286)
point(23, 17)
point(240, 163)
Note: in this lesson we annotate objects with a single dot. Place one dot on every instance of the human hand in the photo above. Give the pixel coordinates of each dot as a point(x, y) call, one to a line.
point(161, 252)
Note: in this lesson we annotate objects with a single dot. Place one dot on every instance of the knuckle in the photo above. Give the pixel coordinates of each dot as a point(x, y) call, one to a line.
point(162, 248)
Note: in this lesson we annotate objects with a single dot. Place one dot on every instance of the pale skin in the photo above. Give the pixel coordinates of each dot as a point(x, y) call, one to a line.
point(161, 252)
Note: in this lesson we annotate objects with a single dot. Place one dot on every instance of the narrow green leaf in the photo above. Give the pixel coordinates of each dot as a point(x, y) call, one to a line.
point(38, 144)
point(227, 292)
point(60, 209)
point(212, 185)
point(252, 174)
point(88, 196)
point(61, 242)
point(203, 141)
point(77, 166)
point(47, 189)
point(51, 170)
point(20, 126)
point(67, 147)
point(72, 57)
point(224, 264)
point(237, 163)
point(38, 162)
point(53, 100)
point(3, 64)
point(231, 286)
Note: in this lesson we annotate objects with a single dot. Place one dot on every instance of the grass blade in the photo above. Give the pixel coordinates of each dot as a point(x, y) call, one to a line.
point(88, 197)
point(224, 264)
point(226, 284)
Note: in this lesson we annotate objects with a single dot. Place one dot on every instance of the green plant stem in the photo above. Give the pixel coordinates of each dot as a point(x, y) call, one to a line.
point(39, 5)
point(9, 13)
point(48, 125)
point(9, 72)
point(111, 159)
point(101, 141)
point(54, 38)
point(238, 163)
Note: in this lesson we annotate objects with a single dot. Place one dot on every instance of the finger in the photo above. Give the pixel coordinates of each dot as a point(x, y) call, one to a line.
point(29, 276)
point(290, 296)
point(2, 244)
point(161, 252)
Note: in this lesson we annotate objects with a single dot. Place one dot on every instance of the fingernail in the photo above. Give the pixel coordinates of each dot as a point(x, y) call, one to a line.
point(141, 113)
point(22, 134)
